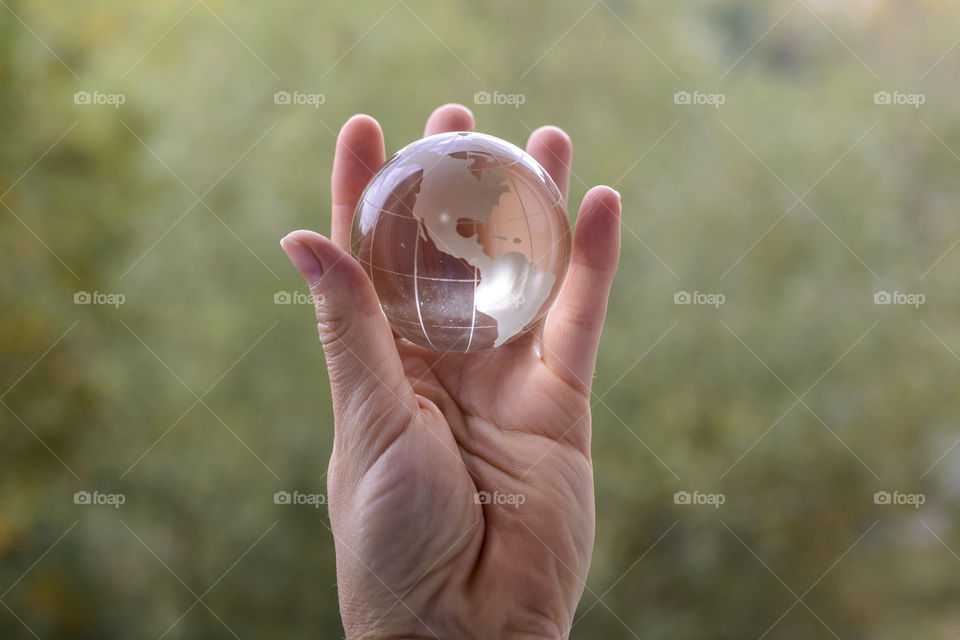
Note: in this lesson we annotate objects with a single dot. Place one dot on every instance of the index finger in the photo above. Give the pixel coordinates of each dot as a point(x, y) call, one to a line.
point(358, 157)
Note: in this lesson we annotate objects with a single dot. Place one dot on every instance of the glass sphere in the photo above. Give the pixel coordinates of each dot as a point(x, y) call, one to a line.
point(466, 239)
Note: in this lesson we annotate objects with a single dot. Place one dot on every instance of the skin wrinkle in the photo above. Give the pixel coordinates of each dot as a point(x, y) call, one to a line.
point(519, 473)
point(490, 464)
point(378, 415)
point(391, 496)
point(543, 610)
point(565, 375)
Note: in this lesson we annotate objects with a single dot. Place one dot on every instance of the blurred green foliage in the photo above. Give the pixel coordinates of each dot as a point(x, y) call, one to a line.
point(199, 397)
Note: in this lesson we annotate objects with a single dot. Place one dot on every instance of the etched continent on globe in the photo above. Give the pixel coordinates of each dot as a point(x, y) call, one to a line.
point(466, 240)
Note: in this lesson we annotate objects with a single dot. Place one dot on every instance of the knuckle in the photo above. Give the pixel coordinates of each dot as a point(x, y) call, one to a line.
point(334, 330)
point(585, 319)
point(598, 266)
point(333, 325)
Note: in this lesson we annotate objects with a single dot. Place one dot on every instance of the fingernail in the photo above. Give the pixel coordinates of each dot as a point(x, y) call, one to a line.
point(303, 259)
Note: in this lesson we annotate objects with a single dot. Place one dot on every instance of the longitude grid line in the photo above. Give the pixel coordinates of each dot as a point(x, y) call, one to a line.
point(421, 229)
point(473, 318)
point(416, 284)
point(523, 208)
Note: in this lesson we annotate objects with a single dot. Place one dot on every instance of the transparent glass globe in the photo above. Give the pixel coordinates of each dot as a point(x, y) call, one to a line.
point(466, 239)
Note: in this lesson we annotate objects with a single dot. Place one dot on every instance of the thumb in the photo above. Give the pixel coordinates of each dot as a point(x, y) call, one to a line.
point(367, 380)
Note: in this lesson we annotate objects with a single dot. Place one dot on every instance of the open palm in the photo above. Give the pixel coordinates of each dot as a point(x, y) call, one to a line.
point(460, 485)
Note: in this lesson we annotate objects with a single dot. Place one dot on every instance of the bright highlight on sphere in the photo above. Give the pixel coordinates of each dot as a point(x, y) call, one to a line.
point(466, 239)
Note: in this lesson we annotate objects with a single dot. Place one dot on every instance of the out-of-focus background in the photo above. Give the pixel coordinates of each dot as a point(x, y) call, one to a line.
point(778, 458)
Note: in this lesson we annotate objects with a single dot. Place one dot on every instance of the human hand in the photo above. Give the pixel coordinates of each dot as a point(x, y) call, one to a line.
point(417, 433)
